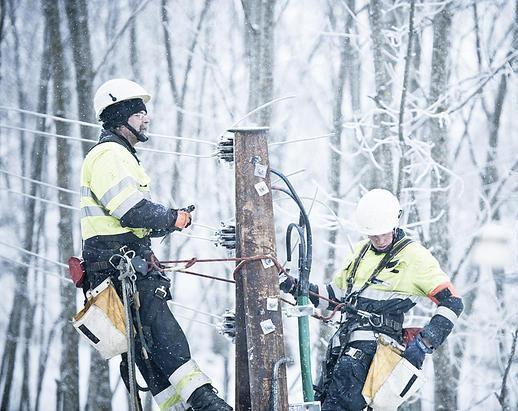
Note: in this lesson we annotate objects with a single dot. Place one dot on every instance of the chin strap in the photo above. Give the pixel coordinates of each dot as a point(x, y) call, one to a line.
point(140, 137)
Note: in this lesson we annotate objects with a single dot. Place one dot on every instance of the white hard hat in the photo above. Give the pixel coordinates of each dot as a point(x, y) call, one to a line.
point(377, 212)
point(115, 91)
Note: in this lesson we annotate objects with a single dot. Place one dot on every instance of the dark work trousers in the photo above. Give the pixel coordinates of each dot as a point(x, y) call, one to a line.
point(344, 392)
point(166, 342)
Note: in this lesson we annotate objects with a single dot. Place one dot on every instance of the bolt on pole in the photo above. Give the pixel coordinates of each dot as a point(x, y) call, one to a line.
point(259, 332)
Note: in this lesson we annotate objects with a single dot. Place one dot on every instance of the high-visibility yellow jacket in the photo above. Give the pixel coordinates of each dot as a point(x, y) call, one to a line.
point(112, 182)
point(412, 273)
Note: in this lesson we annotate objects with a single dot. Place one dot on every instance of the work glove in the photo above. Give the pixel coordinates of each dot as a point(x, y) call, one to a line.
point(288, 284)
point(183, 217)
point(416, 351)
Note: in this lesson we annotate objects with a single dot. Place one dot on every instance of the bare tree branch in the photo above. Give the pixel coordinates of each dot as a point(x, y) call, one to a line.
point(408, 57)
point(504, 391)
point(489, 77)
point(119, 34)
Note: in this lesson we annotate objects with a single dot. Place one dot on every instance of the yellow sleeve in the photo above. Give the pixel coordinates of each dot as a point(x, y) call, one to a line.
point(427, 272)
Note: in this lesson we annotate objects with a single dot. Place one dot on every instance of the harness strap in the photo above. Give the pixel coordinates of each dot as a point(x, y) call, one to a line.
point(382, 264)
point(350, 280)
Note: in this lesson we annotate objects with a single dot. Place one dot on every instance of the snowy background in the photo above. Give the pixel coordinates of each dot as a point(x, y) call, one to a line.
point(353, 107)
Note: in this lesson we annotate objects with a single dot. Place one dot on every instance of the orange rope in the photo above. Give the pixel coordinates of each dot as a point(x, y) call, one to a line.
point(241, 262)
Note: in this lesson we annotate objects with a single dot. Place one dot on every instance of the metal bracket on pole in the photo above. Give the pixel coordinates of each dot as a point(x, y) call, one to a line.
point(299, 310)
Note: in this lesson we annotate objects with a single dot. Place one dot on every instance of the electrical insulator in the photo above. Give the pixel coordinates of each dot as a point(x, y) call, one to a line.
point(226, 149)
point(226, 237)
point(227, 326)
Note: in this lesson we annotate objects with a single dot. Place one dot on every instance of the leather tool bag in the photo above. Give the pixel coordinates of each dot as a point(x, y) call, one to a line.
point(391, 379)
point(101, 321)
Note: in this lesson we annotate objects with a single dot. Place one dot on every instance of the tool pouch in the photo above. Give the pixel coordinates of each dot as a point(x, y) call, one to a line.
point(77, 270)
point(391, 379)
point(101, 321)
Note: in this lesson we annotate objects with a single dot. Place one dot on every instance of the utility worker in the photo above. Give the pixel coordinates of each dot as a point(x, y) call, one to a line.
point(117, 211)
point(381, 281)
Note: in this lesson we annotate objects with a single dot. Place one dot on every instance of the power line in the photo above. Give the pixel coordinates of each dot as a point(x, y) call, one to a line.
point(195, 310)
point(190, 139)
point(41, 199)
point(78, 139)
point(78, 209)
point(196, 321)
point(298, 140)
point(255, 110)
point(181, 234)
point(44, 115)
point(207, 227)
point(97, 126)
point(68, 280)
point(46, 133)
point(66, 190)
point(23, 250)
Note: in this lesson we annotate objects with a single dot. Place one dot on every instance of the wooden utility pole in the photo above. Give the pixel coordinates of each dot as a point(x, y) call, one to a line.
point(259, 336)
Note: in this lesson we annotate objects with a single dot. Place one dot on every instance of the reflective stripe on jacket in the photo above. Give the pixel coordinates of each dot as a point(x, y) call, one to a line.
point(112, 182)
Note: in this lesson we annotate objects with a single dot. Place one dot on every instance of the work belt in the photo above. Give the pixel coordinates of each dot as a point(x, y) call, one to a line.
point(98, 266)
point(379, 321)
point(103, 255)
point(365, 326)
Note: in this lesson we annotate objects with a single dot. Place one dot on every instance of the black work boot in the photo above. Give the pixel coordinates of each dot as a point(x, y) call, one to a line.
point(204, 398)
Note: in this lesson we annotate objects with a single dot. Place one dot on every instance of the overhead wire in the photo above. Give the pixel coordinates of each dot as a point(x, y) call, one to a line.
point(97, 126)
point(195, 310)
point(84, 140)
point(66, 190)
point(50, 116)
point(23, 250)
point(157, 135)
point(196, 321)
point(299, 140)
point(181, 234)
point(259, 108)
point(208, 227)
point(68, 280)
point(40, 199)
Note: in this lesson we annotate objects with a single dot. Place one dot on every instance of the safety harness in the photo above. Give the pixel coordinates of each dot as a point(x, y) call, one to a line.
point(356, 318)
point(382, 264)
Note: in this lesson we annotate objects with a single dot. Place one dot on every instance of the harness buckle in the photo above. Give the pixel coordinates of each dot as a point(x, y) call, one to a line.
point(376, 320)
point(161, 292)
point(351, 299)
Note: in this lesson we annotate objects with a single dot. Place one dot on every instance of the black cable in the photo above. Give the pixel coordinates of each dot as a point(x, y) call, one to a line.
point(306, 261)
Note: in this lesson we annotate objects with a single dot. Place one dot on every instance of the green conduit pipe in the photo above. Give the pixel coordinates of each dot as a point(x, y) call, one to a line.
point(305, 353)
point(304, 265)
